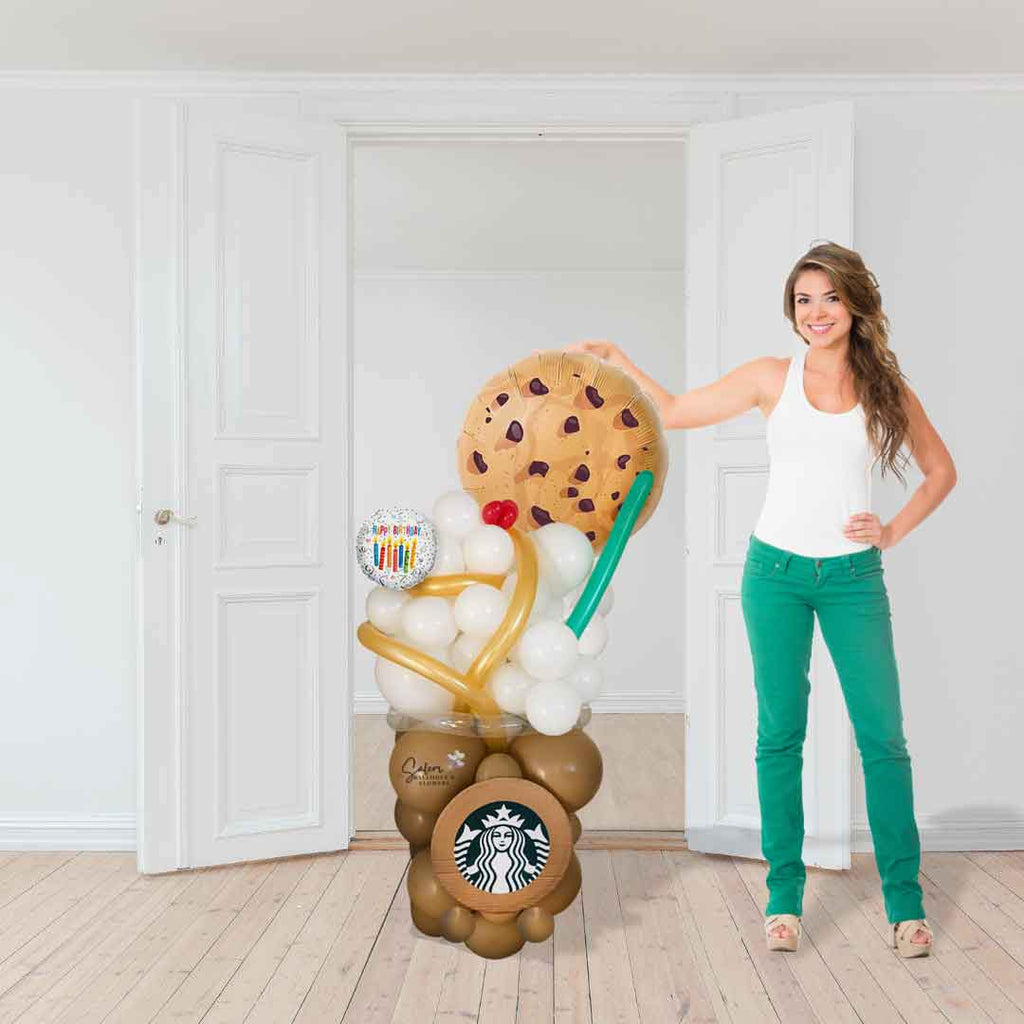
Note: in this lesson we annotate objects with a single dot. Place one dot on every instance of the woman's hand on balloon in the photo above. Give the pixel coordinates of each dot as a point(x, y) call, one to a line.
point(606, 350)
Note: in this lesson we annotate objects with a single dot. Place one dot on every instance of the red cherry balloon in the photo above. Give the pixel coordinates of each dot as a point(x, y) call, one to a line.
point(492, 512)
point(509, 514)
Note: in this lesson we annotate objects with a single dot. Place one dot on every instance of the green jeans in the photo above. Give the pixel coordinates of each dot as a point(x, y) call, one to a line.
point(780, 593)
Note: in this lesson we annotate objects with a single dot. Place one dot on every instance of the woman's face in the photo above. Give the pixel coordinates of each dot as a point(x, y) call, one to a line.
point(816, 302)
point(502, 837)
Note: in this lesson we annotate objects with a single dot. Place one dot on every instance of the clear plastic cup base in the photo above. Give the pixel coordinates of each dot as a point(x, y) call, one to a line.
point(465, 723)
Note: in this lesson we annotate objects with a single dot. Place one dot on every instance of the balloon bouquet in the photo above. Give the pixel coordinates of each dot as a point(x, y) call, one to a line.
point(488, 619)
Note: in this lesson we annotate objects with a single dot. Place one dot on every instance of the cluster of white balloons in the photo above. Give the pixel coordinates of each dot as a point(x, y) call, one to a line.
point(549, 673)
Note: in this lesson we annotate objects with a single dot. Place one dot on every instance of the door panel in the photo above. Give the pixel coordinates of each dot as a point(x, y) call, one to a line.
point(759, 190)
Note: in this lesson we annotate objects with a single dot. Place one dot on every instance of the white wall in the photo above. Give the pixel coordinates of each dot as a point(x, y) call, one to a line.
point(939, 216)
point(67, 731)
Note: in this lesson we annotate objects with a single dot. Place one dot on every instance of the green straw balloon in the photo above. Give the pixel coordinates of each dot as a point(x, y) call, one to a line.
point(602, 573)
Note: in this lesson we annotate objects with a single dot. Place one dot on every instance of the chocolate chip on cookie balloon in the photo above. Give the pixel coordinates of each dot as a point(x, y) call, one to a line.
point(564, 435)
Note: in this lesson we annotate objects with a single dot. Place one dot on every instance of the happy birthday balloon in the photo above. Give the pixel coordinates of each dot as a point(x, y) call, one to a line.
point(564, 435)
point(396, 547)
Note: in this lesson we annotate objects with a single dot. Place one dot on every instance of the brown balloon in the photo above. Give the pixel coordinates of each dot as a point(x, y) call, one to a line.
point(415, 825)
point(425, 891)
point(569, 765)
point(536, 924)
point(567, 889)
point(457, 924)
point(577, 827)
point(498, 766)
point(426, 924)
point(498, 916)
point(426, 768)
point(495, 941)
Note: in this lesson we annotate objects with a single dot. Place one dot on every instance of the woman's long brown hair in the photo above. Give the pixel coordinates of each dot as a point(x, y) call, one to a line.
point(877, 377)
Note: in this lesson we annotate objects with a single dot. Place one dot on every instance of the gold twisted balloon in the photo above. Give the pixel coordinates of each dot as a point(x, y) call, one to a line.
point(470, 689)
point(501, 642)
point(423, 664)
point(456, 583)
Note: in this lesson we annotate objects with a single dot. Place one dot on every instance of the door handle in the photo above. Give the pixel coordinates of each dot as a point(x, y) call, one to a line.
point(165, 515)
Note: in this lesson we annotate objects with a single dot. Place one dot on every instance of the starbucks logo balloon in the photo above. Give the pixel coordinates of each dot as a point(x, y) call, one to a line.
point(501, 847)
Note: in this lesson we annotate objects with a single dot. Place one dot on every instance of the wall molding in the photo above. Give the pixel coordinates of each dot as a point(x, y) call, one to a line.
point(400, 86)
point(940, 832)
point(73, 832)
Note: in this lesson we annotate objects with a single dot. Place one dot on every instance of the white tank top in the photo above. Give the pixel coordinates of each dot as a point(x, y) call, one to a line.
point(819, 472)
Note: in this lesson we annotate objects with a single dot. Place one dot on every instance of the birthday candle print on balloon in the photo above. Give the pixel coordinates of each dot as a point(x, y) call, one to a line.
point(396, 547)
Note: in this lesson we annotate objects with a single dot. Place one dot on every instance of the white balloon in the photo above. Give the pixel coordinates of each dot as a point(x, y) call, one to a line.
point(509, 685)
point(546, 650)
point(428, 621)
point(594, 637)
point(565, 556)
point(607, 599)
point(552, 707)
point(449, 558)
point(409, 691)
point(545, 604)
point(455, 514)
point(488, 549)
point(465, 649)
point(383, 608)
point(479, 609)
point(442, 653)
point(586, 678)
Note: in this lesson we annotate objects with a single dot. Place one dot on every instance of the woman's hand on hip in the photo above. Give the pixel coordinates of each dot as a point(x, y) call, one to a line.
point(867, 528)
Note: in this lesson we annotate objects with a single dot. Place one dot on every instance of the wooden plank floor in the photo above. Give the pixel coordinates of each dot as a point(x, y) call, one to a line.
point(657, 936)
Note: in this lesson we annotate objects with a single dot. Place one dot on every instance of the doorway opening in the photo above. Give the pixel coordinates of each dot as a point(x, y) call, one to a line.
point(467, 252)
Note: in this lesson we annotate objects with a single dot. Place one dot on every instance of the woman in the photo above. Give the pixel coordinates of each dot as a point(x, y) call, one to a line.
point(836, 407)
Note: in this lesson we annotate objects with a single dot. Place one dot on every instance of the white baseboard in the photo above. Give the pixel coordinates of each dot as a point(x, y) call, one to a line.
point(94, 832)
point(117, 832)
point(939, 833)
point(651, 702)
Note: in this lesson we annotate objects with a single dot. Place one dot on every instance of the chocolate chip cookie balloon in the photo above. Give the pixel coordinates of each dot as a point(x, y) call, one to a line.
point(564, 435)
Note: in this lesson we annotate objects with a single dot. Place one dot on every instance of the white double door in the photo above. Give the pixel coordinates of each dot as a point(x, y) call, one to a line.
point(245, 612)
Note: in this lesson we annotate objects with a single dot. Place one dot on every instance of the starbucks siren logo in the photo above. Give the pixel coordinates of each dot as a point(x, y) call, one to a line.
point(502, 847)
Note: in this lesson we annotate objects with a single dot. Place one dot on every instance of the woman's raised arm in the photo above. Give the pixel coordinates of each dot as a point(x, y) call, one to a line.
point(739, 390)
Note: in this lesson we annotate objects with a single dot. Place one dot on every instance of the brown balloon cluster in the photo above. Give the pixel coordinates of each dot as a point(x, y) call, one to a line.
point(428, 770)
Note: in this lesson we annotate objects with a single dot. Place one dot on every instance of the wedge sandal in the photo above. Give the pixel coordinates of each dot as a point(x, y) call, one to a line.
point(901, 938)
point(789, 942)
